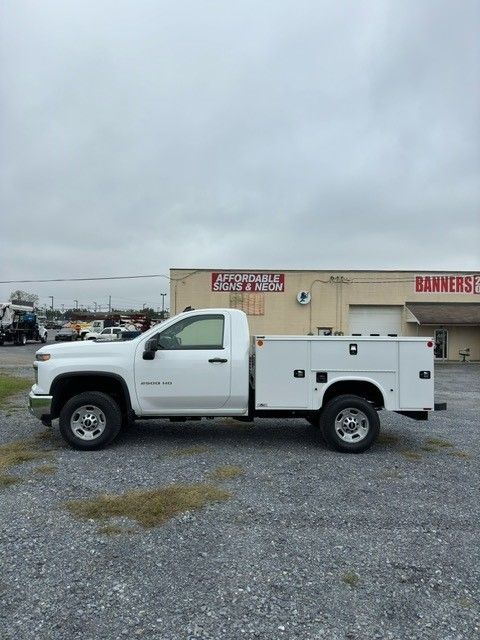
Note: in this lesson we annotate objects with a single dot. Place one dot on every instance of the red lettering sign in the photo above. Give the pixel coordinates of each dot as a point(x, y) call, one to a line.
point(247, 281)
point(451, 283)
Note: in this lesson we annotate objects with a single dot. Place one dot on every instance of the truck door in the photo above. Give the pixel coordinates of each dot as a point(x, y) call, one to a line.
point(191, 369)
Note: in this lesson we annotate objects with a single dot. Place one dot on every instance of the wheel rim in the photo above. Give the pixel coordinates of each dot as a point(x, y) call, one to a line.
point(88, 422)
point(351, 425)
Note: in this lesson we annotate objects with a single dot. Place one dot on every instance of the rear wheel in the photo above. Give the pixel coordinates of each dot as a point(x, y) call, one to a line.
point(90, 420)
point(350, 424)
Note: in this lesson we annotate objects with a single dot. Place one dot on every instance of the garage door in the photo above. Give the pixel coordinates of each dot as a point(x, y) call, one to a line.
point(375, 319)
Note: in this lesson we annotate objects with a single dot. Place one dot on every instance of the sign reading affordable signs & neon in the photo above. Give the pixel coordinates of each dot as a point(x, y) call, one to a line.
point(250, 282)
point(448, 283)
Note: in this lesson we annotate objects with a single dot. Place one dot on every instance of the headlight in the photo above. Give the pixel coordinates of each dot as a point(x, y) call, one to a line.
point(42, 357)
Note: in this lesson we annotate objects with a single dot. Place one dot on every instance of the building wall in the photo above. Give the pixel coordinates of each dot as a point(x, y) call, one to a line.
point(332, 292)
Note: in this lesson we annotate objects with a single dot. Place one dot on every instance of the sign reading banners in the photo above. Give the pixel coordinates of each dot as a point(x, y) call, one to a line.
point(449, 283)
point(250, 282)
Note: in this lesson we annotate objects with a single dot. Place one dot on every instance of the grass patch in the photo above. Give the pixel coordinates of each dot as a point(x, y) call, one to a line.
point(428, 448)
point(438, 443)
point(7, 480)
point(10, 386)
point(461, 454)
point(148, 508)
point(113, 530)
point(351, 578)
point(46, 469)
point(189, 451)
point(14, 453)
point(227, 472)
point(387, 438)
point(411, 455)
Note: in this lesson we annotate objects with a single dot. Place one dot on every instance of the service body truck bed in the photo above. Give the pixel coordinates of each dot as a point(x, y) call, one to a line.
point(204, 364)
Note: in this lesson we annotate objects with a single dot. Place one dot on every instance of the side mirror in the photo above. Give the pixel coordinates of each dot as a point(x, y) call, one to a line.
point(150, 348)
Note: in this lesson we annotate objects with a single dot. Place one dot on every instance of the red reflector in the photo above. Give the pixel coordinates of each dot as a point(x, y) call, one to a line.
point(429, 343)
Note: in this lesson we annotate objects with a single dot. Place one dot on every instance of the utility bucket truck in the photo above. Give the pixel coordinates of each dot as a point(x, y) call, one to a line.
point(204, 364)
point(19, 323)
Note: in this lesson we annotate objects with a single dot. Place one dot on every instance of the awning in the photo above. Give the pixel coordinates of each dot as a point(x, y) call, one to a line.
point(445, 312)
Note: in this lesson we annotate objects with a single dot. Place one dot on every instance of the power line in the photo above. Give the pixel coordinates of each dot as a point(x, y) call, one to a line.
point(153, 275)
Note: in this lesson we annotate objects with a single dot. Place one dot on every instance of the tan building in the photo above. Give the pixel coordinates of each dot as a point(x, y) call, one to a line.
point(443, 305)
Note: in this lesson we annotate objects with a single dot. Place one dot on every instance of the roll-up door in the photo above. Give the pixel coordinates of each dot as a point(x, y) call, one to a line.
point(368, 319)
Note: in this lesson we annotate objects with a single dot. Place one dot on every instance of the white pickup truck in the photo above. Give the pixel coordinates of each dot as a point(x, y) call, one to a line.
point(204, 364)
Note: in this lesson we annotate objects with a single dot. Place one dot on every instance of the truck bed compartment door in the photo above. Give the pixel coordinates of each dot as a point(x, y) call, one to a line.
point(282, 374)
point(416, 375)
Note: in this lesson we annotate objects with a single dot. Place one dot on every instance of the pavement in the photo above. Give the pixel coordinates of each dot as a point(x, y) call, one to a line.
point(311, 543)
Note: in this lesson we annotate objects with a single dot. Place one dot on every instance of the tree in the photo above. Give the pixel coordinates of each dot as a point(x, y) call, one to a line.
point(24, 296)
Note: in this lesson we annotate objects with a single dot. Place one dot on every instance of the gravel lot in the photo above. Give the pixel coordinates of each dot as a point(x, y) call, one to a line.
point(312, 543)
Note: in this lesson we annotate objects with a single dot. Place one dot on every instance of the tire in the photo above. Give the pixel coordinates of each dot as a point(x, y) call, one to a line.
point(87, 413)
point(349, 424)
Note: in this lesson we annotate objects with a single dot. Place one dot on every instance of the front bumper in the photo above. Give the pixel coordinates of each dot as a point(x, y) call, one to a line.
point(39, 406)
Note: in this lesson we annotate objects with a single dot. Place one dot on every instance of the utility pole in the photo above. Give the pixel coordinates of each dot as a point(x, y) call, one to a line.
point(163, 304)
point(109, 304)
point(51, 298)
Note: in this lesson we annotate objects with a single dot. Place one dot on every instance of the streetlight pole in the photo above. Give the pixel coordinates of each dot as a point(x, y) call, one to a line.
point(163, 304)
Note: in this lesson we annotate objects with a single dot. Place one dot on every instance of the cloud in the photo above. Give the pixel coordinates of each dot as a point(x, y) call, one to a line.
point(139, 136)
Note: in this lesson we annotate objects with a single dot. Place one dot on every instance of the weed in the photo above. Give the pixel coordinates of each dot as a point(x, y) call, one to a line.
point(227, 472)
point(113, 530)
point(438, 442)
point(148, 508)
point(10, 386)
point(7, 480)
point(46, 469)
point(351, 578)
point(411, 455)
point(388, 438)
point(13, 453)
point(189, 451)
point(461, 454)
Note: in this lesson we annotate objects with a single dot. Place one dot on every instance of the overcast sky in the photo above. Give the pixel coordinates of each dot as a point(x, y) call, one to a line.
point(136, 136)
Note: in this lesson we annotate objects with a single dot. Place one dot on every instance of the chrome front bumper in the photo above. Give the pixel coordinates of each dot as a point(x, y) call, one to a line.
point(39, 406)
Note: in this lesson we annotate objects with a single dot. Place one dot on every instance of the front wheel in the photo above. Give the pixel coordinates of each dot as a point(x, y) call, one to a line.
point(90, 420)
point(350, 424)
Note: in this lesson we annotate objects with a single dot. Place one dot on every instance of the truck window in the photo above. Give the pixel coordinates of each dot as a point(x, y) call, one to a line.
point(200, 332)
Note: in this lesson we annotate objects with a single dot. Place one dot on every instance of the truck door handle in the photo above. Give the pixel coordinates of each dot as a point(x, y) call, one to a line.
point(218, 360)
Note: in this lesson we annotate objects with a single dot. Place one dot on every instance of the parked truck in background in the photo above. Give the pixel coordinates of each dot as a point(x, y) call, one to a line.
point(204, 364)
point(19, 323)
